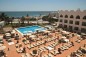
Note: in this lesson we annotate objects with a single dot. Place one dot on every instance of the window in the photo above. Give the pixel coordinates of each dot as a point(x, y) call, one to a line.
point(66, 16)
point(60, 25)
point(71, 22)
point(77, 17)
point(76, 22)
point(83, 30)
point(84, 17)
point(60, 20)
point(65, 26)
point(83, 23)
point(76, 28)
point(71, 16)
point(70, 28)
point(61, 15)
point(65, 21)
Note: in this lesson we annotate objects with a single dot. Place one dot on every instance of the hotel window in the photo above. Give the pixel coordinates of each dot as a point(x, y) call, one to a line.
point(61, 15)
point(71, 16)
point(70, 27)
point(77, 17)
point(60, 25)
point(76, 28)
point(83, 23)
point(83, 30)
point(65, 26)
point(65, 21)
point(60, 20)
point(84, 17)
point(66, 16)
point(71, 22)
point(76, 22)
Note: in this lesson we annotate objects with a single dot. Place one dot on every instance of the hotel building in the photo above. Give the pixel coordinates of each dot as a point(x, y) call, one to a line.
point(73, 20)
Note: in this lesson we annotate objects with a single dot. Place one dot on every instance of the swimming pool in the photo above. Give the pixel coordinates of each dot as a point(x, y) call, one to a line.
point(30, 29)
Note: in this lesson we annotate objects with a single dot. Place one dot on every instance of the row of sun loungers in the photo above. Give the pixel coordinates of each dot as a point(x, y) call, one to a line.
point(25, 55)
point(35, 44)
point(47, 55)
point(26, 42)
point(66, 47)
point(79, 39)
point(78, 53)
point(50, 39)
point(54, 52)
point(53, 44)
point(19, 50)
point(40, 43)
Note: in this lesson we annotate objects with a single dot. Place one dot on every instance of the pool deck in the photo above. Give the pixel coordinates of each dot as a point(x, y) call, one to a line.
point(13, 53)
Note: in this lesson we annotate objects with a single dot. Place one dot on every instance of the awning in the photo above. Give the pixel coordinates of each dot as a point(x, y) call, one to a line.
point(83, 34)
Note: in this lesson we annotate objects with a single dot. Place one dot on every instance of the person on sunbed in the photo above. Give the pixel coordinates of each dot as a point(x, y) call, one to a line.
point(72, 43)
point(59, 50)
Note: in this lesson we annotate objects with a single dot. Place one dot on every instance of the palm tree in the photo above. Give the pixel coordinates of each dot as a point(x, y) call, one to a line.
point(37, 20)
point(12, 20)
point(27, 15)
point(28, 18)
point(22, 19)
point(4, 17)
point(7, 20)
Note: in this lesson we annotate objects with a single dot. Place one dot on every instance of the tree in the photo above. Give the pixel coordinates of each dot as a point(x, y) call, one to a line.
point(27, 15)
point(3, 16)
point(22, 19)
point(7, 20)
point(45, 18)
point(28, 18)
point(12, 18)
point(50, 19)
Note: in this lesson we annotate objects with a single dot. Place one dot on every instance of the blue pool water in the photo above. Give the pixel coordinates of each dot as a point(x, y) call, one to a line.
point(28, 29)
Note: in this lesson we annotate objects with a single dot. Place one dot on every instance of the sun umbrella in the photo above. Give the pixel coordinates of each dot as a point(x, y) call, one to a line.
point(8, 34)
point(64, 37)
point(13, 31)
point(32, 36)
point(2, 47)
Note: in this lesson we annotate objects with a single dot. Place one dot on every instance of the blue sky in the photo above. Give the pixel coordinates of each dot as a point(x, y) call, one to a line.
point(41, 5)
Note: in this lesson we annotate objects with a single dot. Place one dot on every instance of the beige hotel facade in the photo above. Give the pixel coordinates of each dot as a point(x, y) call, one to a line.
point(73, 20)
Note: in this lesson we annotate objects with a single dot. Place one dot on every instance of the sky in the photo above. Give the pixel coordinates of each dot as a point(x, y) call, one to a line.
point(41, 5)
